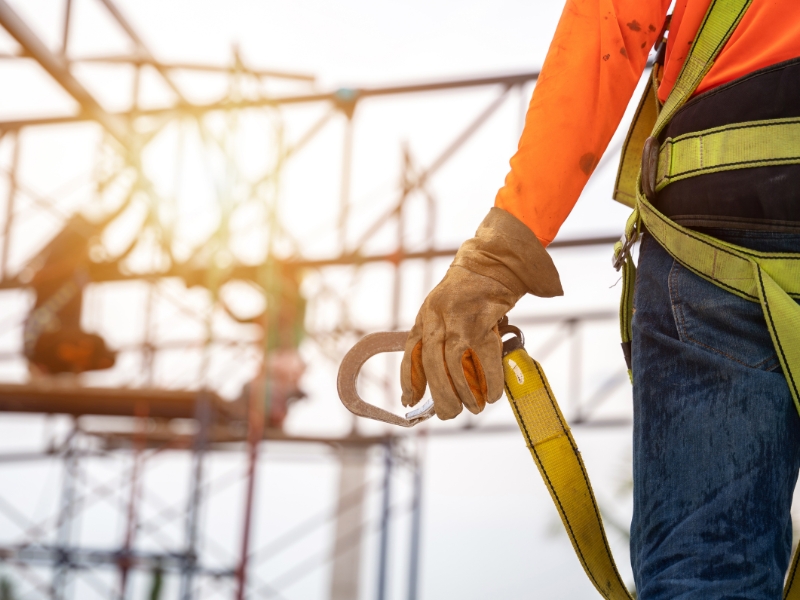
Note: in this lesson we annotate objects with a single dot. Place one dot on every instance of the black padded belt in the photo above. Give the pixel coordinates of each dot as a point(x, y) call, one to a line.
point(765, 198)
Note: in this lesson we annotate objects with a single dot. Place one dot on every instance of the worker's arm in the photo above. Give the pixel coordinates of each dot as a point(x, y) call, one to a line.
point(594, 63)
point(595, 60)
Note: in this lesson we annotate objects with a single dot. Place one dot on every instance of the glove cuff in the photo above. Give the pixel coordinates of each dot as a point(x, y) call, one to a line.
point(505, 250)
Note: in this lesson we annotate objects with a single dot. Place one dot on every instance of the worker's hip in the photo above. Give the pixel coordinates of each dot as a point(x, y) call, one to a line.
point(716, 435)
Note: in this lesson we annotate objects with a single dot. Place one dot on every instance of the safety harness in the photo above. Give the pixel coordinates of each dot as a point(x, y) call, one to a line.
point(771, 279)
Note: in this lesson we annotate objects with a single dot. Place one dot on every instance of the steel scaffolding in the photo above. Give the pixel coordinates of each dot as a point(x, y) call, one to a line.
point(156, 417)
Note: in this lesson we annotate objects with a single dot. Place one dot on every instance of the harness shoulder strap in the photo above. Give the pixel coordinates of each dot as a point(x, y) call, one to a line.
point(719, 23)
point(631, 157)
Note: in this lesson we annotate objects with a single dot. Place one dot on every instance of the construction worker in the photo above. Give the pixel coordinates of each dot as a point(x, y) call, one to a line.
point(716, 435)
point(54, 340)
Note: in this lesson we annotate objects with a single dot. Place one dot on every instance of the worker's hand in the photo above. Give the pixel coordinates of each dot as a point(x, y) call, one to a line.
point(454, 346)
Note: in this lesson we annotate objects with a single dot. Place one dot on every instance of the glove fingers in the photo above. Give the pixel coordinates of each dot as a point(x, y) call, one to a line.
point(490, 357)
point(458, 358)
point(412, 372)
point(443, 390)
point(482, 371)
point(475, 377)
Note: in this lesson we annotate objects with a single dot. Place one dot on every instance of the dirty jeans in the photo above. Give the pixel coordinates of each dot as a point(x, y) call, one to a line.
point(716, 437)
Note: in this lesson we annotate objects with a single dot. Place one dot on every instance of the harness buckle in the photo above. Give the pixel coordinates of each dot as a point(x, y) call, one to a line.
point(622, 250)
point(650, 168)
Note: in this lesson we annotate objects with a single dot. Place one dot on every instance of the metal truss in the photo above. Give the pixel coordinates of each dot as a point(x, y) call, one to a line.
point(160, 538)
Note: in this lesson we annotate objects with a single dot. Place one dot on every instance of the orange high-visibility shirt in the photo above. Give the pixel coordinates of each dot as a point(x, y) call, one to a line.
point(594, 63)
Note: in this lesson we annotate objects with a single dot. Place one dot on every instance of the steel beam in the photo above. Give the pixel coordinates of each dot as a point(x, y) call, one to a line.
point(196, 276)
point(204, 415)
point(63, 566)
point(350, 514)
point(415, 543)
point(89, 558)
point(142, 48)
point(10, 202)
point(77, 401)
point(186, 66)
point(385, 527)
point(258, 398)
point(58, 69)
point(336, 97)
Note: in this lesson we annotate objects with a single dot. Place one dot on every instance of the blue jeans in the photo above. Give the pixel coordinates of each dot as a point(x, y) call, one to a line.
point(716, 437)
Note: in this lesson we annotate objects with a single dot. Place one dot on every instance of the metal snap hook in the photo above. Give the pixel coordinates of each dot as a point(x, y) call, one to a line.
point(346, 382)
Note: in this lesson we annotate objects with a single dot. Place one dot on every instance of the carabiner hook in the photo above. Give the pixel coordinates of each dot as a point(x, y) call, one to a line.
point(346, 382)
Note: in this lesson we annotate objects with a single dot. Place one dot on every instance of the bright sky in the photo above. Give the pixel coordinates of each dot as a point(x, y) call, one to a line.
point(488, 523)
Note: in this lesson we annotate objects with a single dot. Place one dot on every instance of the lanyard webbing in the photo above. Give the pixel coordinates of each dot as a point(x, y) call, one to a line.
point(556, 454)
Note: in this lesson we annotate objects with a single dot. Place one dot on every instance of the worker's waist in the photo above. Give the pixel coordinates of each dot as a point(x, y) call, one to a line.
point(766, 197)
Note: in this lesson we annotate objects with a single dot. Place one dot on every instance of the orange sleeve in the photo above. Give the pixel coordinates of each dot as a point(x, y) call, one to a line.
point(594, 63)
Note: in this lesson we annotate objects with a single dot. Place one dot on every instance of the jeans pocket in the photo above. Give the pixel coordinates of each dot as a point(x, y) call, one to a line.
point(720, 322)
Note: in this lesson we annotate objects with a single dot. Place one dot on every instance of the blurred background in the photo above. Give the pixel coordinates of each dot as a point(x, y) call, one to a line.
point(203, 206)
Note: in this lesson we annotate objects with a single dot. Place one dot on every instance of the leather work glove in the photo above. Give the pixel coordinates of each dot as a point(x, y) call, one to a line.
point(454, 346)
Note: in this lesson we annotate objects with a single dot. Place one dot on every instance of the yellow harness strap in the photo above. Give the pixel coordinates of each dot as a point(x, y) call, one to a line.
point(719, 23)
point(739, 146)
point(631, 157)
point(650, 118)
point(556, 454)
point(771, 279)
